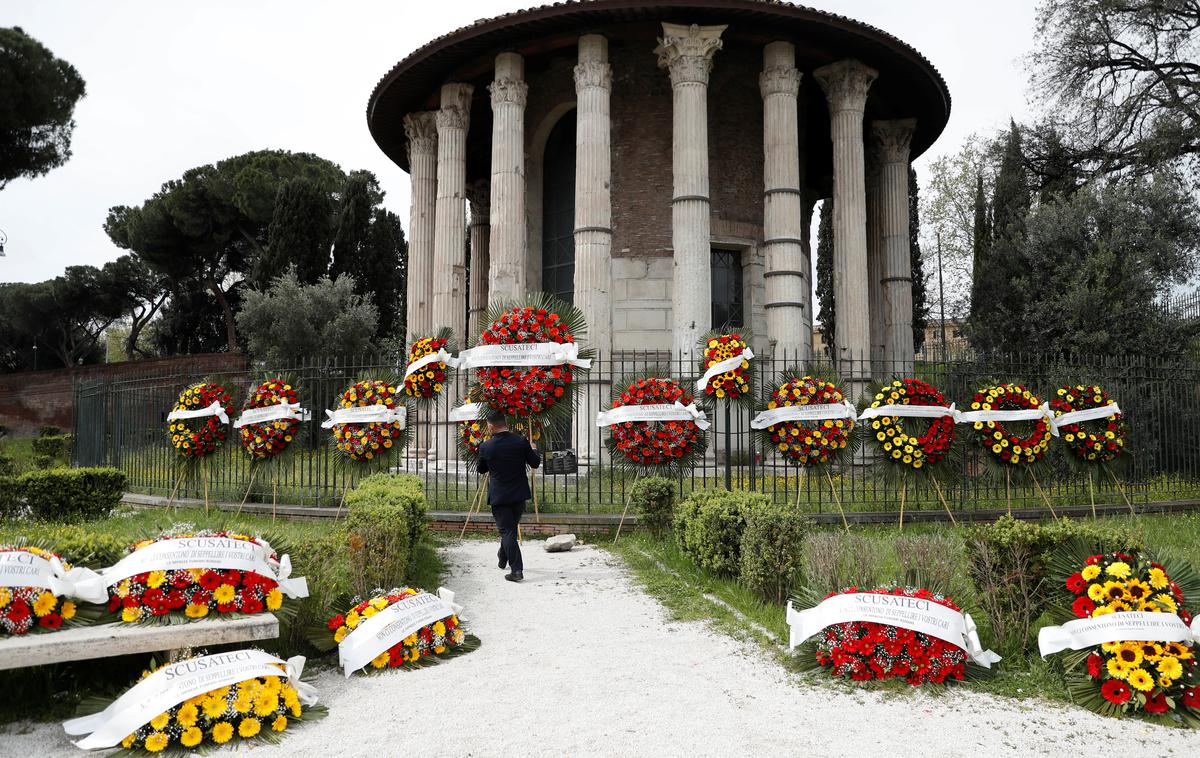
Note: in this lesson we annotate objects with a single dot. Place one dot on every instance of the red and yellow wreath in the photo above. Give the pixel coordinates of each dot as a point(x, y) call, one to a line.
point(473, 433)
point(1007, 446)
point(442, 637)
point(1104, 444)
point(429, 366)
point(807, 443)
point(268, 439)
point(736, 382)
point(903, 447)
point(25, 609)
point(200, 435)
point(362, 442)
point(675, 441)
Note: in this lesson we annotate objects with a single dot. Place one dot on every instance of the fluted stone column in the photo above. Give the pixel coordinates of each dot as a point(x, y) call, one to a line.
point(593, 198)
point(687, 52)
point(449, 266)
point(875, 266)
point(421, 129)
point(480, 255)
point(788, 305)
point(509, 237)
point(845, 84)
point(893, 139)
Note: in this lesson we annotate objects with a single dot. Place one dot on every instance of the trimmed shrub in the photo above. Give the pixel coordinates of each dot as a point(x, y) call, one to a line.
point(49, 431)
point(386, 521)
point(78, 545)
point(49, 450)
point(771, 549)
point(1008, 561)
point(71, 494)
point(709, 526)
point(653, 499)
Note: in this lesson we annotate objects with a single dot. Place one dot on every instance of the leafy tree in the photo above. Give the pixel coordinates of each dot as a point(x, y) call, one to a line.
point(141, 293)
point(1121, 80)
point(301, 232)
point(209, 226)
point(38, 93)
point(66, 315)
point(920, 303)
point(292, 319)
point(192, 321)
point(825, 278)
point(1110, 249)
point(370, 246)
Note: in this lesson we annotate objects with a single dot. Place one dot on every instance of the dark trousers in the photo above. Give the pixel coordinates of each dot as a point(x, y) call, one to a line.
point(507, 518)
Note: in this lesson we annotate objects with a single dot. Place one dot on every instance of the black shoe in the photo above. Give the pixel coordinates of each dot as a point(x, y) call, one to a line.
point(501, 557)
point(516, 576)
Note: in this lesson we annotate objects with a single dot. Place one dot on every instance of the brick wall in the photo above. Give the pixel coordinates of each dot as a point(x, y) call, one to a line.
point(33, 399)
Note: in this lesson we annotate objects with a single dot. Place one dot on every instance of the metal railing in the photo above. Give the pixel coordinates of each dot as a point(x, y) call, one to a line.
point(122, 423)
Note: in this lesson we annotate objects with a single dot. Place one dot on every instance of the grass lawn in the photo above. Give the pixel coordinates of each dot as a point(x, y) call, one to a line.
point(693, 594)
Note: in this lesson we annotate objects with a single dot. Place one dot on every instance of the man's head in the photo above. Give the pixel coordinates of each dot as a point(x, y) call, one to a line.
point(496, 421)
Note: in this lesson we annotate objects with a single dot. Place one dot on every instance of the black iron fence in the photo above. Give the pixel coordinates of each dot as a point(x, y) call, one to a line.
point(122, 423)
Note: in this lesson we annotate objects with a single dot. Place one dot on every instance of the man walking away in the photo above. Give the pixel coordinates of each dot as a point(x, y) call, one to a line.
point(504, 458)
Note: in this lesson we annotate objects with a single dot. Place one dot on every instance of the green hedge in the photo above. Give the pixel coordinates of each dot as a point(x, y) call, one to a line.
point(78, 494)
point(1008, 563)
point(47, 451)
point(653, 499)
point(771, 549)
point(385, 524)
point(709, 526)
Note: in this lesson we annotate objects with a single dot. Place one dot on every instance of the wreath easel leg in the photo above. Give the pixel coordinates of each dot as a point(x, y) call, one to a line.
point(1092, 494)
point(942, 497)
point(274, 493)
point(1119, 488)
point(204, 467)
point(537, 517)
point(175, 489)
point(253, 475)
point(626, 510)
point(1008, 488)
point(903, 496)
point(838, 500)
point(1045, 499)
point(476, 505)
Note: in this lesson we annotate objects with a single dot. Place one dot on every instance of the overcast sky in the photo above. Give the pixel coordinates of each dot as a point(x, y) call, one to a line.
point(173, 85)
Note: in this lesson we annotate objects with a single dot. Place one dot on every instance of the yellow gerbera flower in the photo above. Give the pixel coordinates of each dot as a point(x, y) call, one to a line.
point(1120, 570)
point(191, 737)
point(279, 724)
point(187, 715)
point(195, 611)
point(381, 660)
point(222, 732)
point(274, 600)
point(1170, 668)
point(214, 707)
point(44, 604)
point(1090, 572)
point(1158, 579)
point(224, 594)
point(160, 721)
point(1116, 670)
point(156, 742)
point(1102, 610)
point(130, 615)
point(249, 727)
point(155, 579)
point(1096, 592)
point(1140, 680)
point(67, 610)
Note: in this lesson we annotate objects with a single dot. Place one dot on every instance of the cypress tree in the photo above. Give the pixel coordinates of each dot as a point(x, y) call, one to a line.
point(920, 304)
point(825, 278)
point(301, 232)
point(982, 302)
point(369, 245)
point(1008, 265)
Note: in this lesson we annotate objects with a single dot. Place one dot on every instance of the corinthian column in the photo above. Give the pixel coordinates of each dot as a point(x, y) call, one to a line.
point(789, 314)
point(875, 267)
point(449, 274)
point(845, 84)
point(480, 255)
point(687, 52)
point(508, 264)
point(593, 199)
point(421, 129)
point(893, 138)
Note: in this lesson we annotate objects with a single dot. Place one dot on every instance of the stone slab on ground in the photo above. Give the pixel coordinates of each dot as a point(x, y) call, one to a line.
point(559, 543)
point(579, 661)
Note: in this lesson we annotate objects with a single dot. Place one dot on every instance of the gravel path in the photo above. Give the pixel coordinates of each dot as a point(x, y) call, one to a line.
point(578, 661)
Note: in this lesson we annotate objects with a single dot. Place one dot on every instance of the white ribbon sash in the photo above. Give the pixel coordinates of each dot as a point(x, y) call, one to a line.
point(391, 625)
point(173, 684)
point(214, 409)
point(523, 354)
point(729, 364)
point(201, 553)
point(1026, 414)
point(468, 412)
point(1078, 417)
point(20, 568)
point(365, 414)
point(441, 356)
point(813, 412)
point(1116, 627)
point(911, 411)
point(653, 412)
point(282, 410)
point(924, 616)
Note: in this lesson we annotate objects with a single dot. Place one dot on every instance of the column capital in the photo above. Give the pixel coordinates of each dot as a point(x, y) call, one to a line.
point(892, 139)
point(779, 80)
point(687, 51)
point(845, 84)
point(455, 112)
point(421, 130)
point(509, 90)
point(593, 74)
point(479, 196)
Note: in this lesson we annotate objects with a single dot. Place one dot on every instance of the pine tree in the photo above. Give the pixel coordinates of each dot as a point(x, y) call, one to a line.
point(920, 304)
point(300, 233)
point(825, 278)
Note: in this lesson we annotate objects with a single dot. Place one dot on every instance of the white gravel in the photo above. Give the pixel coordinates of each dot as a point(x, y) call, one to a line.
point(579, 661)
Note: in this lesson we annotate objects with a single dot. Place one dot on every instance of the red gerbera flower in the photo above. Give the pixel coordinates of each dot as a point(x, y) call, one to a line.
point(1116, 691)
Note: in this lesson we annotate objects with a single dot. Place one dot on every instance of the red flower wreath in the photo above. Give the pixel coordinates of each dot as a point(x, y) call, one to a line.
point(1101, 446)
point(528, 390)
point(655, 443)
point(198, 437)
point(899, 446)
point(807, 444)
point(362, 442)
point(1006, 446)
point(270, 438)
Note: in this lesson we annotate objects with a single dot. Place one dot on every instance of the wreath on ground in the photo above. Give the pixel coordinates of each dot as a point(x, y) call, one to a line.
point(201, 429)
point(265, 440)
point(721, 349)
point(430, 365)
point(1154, 679)
point(366, 442)
point(645, 446)
point(1104, 440)
point(26, 609)
point(802, 442)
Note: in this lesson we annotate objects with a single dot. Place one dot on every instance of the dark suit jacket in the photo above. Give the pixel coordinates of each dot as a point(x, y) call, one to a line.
point(504, 457)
